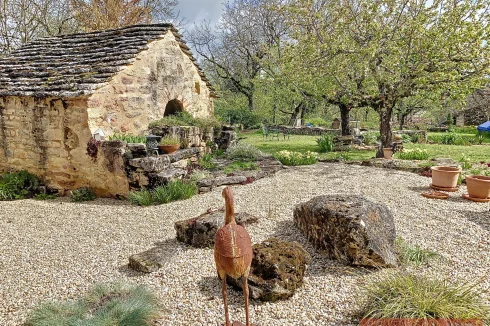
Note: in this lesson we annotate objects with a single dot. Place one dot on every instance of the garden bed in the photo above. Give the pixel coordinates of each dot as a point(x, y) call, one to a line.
point(56, 250)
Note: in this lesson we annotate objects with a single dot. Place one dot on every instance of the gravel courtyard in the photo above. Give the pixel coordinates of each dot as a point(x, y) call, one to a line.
point(55, 250)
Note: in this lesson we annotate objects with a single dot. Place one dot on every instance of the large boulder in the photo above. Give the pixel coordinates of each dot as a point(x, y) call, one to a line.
point(351, 229)
point(200, 231)
point(277, 270)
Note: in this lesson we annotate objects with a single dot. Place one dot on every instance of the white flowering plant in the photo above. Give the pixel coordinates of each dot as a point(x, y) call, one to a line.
point(297, 158)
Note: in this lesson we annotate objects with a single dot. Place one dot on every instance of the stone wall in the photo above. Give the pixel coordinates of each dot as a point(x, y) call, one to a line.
point(313, 131)
point(48, 137)
point(138, 94)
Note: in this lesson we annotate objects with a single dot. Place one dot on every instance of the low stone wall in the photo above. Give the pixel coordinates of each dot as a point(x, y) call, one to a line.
point(190, 136)
point(421, 133)
point(312, 131)
point(148, 172)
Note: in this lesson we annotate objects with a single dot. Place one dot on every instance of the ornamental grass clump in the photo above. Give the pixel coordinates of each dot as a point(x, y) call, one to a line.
point(413, 254)
point(129, 139)
point(297, 158)
point(82, 194)
point(113, 304)
point(173, 191)
point(325, 142)
point(413, 154)
point(401, 295)
point(244, 152)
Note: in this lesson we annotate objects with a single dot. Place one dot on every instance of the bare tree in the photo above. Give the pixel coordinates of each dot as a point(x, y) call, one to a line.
point(236, 47)
point(105, 14)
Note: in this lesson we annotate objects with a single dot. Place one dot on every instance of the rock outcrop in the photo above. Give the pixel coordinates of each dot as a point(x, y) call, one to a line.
point(277, 270)
point(200, 231)
point(350, 229)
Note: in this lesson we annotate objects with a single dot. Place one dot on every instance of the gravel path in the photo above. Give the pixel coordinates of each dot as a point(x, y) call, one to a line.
point(54, 250)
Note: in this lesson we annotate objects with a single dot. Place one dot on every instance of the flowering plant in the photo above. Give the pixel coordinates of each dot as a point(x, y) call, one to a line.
point(297, 158)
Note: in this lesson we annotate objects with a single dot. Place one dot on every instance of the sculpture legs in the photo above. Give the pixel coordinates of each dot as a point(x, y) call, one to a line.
point(245, 293)
point(223, 289)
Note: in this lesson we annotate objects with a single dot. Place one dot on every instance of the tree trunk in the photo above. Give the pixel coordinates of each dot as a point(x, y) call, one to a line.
point(384, 127)
point(294, 115)
point(402, 120)
point(344, 117)
point(251, 105)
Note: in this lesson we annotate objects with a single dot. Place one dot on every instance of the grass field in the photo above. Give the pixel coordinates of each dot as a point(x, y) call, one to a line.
point(300, 143)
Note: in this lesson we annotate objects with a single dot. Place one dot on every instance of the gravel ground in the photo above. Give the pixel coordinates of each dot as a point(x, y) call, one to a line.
point(54, 250)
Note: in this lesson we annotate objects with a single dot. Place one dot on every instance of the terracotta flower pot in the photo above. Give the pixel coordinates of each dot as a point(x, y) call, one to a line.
point(478, 186)
point(169, 149)
point(388, 153)
point(445, 176)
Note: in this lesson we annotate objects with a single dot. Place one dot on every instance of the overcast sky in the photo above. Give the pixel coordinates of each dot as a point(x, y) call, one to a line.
point(195, 11)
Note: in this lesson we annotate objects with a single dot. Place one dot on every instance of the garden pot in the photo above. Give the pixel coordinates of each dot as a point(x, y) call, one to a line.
point(445, 176)
point(420, 322)
point(388, 153)
point(478, 186)
point(169, 149)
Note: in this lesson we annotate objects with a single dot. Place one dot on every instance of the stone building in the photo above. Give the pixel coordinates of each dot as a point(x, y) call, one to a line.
point(477, 109)
point(56, 92)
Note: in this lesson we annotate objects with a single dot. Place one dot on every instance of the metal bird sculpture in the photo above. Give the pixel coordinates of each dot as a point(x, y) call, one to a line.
point(233, 254)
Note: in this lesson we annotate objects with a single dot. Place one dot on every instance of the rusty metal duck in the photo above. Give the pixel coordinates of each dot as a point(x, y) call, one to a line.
point(233, 253)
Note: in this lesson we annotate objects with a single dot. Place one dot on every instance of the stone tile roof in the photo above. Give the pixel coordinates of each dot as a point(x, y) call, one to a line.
point(78, 64)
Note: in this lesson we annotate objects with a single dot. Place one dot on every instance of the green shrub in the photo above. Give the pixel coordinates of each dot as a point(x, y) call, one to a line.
point(206, 162)
point(128, 138)
point(413, 254)
point(173, 191)
point(409, 296)
point(297, 158)
point(318, 122)
point(44, 197)
point(18, 185)
point(371, 137)
point(326, 143)
point(407, 139)
point(240, 166)
point(242, 116)
point(113, 304)
point(82, 194)
point(413, 154)
point(243, 152)
point(141, 198)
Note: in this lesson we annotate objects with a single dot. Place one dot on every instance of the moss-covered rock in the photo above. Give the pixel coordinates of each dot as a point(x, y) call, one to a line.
point(277, 270)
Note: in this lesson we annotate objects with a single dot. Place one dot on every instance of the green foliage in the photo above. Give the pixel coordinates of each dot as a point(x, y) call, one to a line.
point(240, 166)
point(465, 162)
point(128, 138)
point(413, 254)
point(452, 138)
point(325, 142)
point(82, 194)
point(170, 140)
point(244, 152)
point(410, 296)
point(318, 122)
point(408, 139)
point(238, 115)
point(186, 119)
point(206, 162)
point(112, 304)
point(18, 185)
point(141, 198)
point(371, 137)
point(296, 158)
point(173, 191)
point(44, 196)
point(413, 154)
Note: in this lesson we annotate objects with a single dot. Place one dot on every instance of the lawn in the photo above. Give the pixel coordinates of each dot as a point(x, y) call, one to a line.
point(300, 143)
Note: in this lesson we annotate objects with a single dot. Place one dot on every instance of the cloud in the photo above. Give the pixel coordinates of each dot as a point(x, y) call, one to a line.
point(196, 11)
